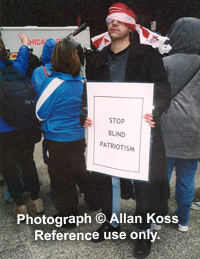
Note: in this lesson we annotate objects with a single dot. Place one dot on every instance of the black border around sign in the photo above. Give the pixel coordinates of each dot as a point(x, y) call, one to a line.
point(94, 133)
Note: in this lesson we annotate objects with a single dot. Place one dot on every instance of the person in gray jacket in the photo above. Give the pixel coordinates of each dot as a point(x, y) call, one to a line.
point(181, 124)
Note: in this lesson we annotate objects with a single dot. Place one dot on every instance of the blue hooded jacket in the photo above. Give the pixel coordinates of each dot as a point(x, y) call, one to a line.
point(60, 110)
point(21, 64)
point(39, 76)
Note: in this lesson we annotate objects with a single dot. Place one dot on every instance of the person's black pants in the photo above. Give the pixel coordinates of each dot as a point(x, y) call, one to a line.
point(66, 169)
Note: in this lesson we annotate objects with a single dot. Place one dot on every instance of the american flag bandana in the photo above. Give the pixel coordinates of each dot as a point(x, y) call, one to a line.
point(123, 13)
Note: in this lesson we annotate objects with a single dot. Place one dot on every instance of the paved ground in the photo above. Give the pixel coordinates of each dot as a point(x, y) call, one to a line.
point(18, 241)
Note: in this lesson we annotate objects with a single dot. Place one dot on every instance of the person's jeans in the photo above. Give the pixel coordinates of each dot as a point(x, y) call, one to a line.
point(185, 172)
point(15, 150)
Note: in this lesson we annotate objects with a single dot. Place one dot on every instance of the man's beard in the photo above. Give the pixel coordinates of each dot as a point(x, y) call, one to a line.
point(119, 37)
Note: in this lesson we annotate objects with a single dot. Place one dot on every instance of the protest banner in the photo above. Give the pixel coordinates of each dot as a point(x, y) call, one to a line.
point(119, 141)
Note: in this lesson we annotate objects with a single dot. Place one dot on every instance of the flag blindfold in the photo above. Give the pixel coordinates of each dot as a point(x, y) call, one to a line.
point(122, 13)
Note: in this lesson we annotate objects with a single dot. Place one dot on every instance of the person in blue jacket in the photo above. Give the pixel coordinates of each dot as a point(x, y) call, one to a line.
point(59, 109)
point(38, 77)
point(17, 146)
point(44, 71)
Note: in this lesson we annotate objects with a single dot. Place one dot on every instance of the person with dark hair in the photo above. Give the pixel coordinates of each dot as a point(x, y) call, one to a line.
point(17, 145)
point(3, 53)
point(134, 60)
point(58, 108)
point(181, 124)
point(8, 51)
point(79, 48)
point(33, 62)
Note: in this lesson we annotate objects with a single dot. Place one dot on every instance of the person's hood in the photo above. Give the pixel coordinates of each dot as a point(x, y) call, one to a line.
point(184, 36)
point(47, 51)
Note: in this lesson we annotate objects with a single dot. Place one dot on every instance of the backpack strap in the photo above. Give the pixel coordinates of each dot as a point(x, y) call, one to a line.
point(45, 72)
point(47, 92)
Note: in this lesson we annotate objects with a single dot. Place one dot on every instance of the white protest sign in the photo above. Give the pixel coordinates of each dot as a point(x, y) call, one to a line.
point(119, 140)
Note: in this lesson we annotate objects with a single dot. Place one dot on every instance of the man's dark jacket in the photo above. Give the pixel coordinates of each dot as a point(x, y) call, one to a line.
point(144, 65)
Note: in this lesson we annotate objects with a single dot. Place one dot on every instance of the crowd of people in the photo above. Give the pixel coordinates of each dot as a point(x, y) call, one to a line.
point(62, 111)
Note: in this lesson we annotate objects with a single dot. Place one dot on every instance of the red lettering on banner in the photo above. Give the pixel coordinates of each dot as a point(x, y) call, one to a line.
point(42, 41)
point(39, 41)
point(32, 42)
